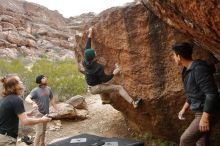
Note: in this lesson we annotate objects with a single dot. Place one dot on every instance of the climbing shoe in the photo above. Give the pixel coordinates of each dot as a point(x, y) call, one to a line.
point(105, 98)
point(106, 101)
point(137, 102)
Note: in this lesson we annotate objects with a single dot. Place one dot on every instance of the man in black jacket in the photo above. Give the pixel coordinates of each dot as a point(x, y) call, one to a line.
point(96, 77)
point(201, 92)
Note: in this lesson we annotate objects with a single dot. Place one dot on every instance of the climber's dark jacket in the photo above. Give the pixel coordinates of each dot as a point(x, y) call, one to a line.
point(94, 72)
point(200, 87)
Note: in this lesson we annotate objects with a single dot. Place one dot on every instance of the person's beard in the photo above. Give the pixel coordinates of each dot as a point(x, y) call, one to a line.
point(43, 84)
point(20, 89)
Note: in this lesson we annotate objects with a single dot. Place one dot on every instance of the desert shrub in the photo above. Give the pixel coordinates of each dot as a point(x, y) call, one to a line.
point(63, 76)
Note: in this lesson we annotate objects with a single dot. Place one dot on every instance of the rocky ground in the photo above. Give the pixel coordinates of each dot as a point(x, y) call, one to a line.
point(103, 120)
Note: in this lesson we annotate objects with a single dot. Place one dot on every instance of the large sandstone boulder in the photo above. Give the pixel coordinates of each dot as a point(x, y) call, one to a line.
point(140, 41)
point(200, 19)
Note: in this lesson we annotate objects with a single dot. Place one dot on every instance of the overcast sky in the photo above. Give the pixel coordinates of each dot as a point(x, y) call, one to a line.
point(76, 7)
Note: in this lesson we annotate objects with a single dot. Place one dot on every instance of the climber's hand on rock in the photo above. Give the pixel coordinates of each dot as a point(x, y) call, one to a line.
point(90, 32)
point(116, 71)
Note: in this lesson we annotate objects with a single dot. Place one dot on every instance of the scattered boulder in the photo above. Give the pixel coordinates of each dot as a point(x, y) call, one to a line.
point(64, 111)
point(73, 109)
point(77, 102)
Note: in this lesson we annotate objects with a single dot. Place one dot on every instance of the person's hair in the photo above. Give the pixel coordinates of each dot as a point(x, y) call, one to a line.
point(184, 49)
point(11, 85)
point(39, 78)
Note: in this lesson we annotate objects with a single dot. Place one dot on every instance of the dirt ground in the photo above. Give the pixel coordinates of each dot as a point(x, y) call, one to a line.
point(103, 120)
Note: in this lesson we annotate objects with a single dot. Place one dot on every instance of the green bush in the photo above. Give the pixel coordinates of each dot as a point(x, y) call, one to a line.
point(63, 76)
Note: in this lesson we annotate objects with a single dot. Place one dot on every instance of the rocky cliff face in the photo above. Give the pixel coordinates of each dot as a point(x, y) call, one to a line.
point(139, 38)
point(30, 31)
point(77, 23)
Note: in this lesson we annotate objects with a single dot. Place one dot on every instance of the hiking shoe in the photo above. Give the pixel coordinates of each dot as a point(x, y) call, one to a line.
point(137, 102)
point(27, 140)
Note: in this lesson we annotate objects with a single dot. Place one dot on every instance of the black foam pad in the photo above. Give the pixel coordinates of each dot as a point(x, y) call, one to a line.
point(125, 142)
point(92, 140)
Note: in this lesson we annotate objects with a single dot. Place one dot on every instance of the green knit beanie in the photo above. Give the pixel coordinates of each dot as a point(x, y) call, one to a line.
point(89, 54)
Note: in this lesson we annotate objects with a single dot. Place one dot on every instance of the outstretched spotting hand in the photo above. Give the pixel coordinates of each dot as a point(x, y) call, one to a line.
point(180, 115)
point(46, 119)
point(35, 106)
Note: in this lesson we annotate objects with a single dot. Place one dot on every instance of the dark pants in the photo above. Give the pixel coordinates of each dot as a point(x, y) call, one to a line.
point(192, 136)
